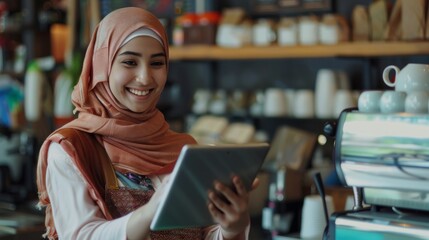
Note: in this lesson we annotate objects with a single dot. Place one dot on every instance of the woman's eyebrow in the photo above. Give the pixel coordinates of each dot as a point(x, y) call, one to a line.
point(130, 53)
point(161, 54)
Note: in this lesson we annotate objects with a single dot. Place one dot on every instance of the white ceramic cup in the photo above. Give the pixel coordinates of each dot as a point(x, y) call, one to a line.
point(287, 36)
point(417, 102)
point(343, 99)
point(263, 33)
point(275, 103)
point(304, 104)
point(325, 89)
point(308, 31)
point(313, 220)
point(392, 101)
point(201, 101)
point(413, 77)
point(219, 102)
point(369, 101)
point(287, 32)
point(329, 32)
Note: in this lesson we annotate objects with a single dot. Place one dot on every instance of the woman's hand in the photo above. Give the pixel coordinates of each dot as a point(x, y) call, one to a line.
point(229, 207)
point(154, 201)
point(138, 226)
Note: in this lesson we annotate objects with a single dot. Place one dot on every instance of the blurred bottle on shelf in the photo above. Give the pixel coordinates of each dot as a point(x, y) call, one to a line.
point(35, 82)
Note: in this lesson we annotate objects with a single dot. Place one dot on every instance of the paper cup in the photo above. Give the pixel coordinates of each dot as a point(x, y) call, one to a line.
point(313, 221)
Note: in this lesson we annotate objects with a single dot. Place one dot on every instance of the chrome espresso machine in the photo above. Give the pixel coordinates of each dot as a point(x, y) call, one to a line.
point(385, 159)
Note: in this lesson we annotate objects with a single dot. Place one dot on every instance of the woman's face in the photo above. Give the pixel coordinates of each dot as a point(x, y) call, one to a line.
point(139, 73)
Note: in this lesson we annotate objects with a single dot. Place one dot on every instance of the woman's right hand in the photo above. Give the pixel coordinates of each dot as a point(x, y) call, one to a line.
point(138, 226)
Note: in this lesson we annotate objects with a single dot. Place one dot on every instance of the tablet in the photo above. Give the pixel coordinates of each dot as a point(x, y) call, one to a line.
point(184, 202)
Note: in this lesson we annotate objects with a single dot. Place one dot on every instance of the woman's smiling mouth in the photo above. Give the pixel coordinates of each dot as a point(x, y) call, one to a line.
point(139, 92)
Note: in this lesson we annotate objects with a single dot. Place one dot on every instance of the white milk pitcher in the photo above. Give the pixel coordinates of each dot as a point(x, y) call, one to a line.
point(413, 77)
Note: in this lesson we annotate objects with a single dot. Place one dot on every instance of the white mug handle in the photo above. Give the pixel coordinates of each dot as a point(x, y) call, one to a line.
point(386, 78)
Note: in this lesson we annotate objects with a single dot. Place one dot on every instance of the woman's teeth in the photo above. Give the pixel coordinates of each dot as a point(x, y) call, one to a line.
point(139, 92)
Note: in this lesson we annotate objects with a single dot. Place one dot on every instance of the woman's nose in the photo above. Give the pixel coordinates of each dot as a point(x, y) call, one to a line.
point(144, 76)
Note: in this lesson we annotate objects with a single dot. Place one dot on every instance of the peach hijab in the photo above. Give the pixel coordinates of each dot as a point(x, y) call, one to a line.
point(137, 142)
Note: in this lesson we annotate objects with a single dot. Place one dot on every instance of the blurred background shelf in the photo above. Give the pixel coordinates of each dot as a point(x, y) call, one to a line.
point(349, 49)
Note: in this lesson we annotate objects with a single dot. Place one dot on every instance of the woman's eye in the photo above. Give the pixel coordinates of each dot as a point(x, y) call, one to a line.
point(129, 62)
point(158, 63)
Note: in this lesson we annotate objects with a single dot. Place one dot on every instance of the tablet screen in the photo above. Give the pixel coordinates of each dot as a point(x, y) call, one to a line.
point(185, 201)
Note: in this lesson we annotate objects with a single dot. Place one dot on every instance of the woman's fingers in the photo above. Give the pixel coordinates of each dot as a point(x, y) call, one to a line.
point(227, 199)
point(217, 215)
point(255, 183)
point(221, 201)
point(239, 186)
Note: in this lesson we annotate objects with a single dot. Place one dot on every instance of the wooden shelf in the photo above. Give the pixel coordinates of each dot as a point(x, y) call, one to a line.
point(349, 49)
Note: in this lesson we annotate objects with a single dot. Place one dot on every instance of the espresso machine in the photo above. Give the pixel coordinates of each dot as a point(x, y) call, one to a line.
point(385, 159)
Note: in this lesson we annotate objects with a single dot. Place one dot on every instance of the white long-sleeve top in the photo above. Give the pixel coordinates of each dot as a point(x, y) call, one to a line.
point(76, 215)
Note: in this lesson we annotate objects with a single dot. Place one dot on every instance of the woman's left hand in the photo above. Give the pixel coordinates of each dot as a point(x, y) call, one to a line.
point(229, 207)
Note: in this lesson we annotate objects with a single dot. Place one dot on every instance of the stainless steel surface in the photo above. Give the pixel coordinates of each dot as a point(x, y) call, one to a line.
point(389, 151)
point(358, 198)
point(383, 225)
point(401, 199)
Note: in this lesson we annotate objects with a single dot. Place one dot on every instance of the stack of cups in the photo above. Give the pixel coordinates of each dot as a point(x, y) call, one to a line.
point(375, 101)
point(411, 93)
point(325, 90)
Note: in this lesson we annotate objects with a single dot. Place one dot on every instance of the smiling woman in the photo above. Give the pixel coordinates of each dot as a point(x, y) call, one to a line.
point(101, 176)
